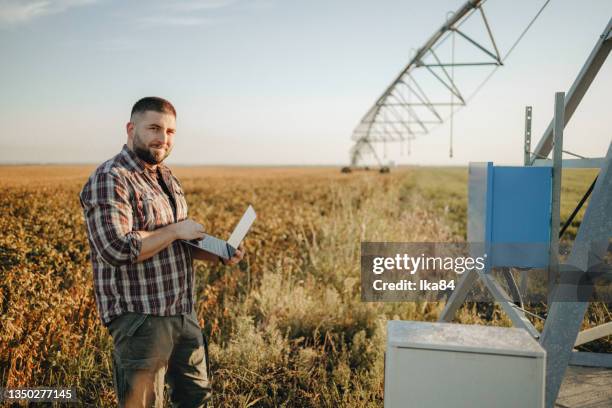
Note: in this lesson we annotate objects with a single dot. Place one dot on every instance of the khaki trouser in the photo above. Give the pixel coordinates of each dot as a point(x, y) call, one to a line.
point(151, 350)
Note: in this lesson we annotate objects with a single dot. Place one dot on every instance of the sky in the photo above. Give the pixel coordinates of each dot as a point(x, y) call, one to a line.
point(280, 82)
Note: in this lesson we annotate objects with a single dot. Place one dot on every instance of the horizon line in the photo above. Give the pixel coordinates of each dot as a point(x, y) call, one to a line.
point(15, 164)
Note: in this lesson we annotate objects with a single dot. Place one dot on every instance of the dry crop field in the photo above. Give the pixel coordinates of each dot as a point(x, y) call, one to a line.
point(286, 326)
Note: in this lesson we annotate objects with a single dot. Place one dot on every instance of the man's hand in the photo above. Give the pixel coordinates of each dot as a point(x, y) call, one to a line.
point(238, 255)
point(188, 230)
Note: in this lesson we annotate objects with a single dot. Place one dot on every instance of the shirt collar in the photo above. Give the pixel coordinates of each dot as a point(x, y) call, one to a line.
point(137, 164)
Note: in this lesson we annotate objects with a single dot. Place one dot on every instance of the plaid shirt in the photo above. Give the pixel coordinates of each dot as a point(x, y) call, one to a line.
point(121, 198)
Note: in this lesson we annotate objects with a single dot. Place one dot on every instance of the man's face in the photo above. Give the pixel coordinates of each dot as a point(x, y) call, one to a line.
point(151, 135)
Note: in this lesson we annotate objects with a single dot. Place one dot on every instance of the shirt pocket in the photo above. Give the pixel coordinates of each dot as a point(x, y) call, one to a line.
point(147, 211)
point(181, 202)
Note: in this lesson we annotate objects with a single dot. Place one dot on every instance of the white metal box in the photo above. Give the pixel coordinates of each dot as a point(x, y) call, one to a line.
point(455, 365)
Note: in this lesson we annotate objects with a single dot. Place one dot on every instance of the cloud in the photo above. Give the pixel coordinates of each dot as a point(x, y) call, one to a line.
point(22, 11)
point(196, 5)
point(185, 13)
point(258, 4)
point(178, 21)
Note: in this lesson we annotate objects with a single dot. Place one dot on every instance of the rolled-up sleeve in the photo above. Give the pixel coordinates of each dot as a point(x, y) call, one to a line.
point(108, 215)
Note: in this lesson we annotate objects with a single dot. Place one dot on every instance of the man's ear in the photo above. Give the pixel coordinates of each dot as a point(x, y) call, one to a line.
point(129, 128)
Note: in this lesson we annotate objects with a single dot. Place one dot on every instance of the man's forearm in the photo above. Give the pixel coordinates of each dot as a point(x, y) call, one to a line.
point(155, 241)
point(161, 238)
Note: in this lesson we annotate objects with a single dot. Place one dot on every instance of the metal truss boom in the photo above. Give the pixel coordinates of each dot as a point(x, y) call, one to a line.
point(404, 98)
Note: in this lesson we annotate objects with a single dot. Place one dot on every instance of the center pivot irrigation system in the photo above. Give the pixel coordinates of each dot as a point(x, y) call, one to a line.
point(413, 103)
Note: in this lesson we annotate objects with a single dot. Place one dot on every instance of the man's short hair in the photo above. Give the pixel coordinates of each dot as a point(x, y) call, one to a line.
point(153, 103)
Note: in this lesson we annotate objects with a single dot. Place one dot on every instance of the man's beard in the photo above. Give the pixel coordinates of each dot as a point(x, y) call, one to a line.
point(144, 154)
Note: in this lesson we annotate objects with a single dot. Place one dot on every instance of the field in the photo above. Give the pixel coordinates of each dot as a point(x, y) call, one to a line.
point(286, 326)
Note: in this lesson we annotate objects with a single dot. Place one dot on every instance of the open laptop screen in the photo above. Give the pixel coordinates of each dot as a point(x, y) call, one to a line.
point(242, 228)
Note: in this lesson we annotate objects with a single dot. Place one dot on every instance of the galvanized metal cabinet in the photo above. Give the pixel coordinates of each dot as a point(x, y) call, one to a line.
point(438, 365)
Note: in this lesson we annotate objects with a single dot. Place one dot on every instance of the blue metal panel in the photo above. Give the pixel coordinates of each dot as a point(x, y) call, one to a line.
point(521, 204)
point(520, 216)
point(510, 211)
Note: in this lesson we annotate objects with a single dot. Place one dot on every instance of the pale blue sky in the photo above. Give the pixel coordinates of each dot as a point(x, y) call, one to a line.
point(277, 82)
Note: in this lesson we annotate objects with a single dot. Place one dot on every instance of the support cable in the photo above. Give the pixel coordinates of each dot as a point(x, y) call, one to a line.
point(578, 207)
point(518, 40)
point(450, 152)
point(573, 154)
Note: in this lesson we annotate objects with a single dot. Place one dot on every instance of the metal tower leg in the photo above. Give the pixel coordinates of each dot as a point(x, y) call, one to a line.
point(565, 316)
point(458, 296)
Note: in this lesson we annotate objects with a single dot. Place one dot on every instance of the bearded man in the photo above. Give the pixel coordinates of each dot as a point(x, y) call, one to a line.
point(136, 217)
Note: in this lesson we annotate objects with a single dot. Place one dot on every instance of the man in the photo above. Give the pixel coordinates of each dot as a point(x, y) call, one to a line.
point(136, 215)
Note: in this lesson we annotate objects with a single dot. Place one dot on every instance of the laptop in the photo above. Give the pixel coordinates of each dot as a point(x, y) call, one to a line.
point(226, 249)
